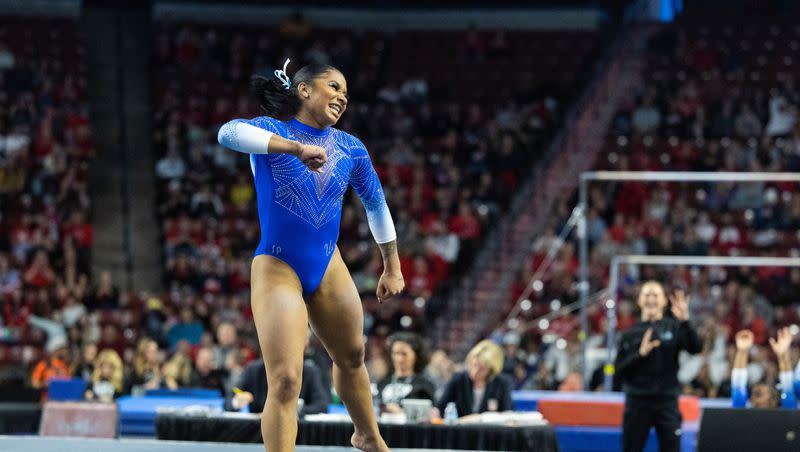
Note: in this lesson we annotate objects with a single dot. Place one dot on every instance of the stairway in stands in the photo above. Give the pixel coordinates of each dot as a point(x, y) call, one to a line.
point(108, 250)
point(476, 305)
point(122, 180)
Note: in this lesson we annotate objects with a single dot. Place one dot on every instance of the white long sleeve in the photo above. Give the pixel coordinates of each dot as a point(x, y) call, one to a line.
point(243, 137)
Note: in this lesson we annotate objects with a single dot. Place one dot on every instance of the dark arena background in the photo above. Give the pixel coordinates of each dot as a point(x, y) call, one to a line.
point(541, 161)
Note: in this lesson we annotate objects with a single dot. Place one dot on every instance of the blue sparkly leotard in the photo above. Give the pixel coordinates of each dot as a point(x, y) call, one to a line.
point(300, 210)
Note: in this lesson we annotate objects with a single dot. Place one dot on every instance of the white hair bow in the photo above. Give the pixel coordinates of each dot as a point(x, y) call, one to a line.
point(282, 76)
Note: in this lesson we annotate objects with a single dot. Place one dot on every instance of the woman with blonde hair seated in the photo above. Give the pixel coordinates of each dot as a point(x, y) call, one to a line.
point(480, 388)
point(178, 371)
point(146, 373)
point(106, 384)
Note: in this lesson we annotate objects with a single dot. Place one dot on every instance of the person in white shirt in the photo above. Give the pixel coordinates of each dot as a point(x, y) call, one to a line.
point(782, 117)
point(171, 167)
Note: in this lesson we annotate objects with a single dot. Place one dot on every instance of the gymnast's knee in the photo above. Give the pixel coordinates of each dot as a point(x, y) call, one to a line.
point(284, 386)
point(351, 359)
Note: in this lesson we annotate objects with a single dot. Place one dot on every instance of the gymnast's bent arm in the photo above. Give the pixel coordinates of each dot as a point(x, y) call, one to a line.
point(248, 138)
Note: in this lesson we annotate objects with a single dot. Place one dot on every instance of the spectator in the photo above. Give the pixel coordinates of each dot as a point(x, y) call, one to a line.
point(9, 277)
point(205, 375)
point(205, 202)
point(647, 118)
point(171, 166)
point(443, 243)
point(106, 381)
point(111, 339)
point(747, 123)
point(295, 28)
point(253, 388)
point(53, 367)
point(754, 323)
point(226, 350)
point(188, 328)
point(105, 295)
point(763, 395)
point(146, 371)
point(154, 319)
point(84, 366)
point(40, 274)
point(481, 387)
point(782, 117)
point(512, 354)
point(7, 59)
point(406, 379)
point(179, 370)
point(572, 383)
point(440, 369)
point(242, 193)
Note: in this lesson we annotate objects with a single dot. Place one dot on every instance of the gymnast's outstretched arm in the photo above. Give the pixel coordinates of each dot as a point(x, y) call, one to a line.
point(739, 393)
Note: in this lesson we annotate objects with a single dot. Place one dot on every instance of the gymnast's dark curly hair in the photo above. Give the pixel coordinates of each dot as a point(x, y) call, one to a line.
point(279, 102)
point(417, 344)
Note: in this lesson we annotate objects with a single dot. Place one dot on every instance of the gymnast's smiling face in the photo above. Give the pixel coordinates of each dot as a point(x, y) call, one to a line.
point(325, 97)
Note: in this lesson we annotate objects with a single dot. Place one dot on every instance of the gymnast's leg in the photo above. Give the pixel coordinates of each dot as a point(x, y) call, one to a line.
point(282, 323)
point(338, 320)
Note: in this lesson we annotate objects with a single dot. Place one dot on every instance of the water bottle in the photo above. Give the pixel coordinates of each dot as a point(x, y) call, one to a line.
point(450, 413)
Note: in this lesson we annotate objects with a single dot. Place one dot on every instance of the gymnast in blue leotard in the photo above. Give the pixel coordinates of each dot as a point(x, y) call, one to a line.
point(302, 168)
point(300, 210)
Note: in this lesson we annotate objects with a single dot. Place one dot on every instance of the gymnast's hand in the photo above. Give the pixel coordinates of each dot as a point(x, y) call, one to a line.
point(312, 156)
point(390, 284)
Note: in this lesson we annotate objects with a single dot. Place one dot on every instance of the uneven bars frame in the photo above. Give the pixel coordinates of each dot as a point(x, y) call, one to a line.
point(648, 176)
point(692, 261)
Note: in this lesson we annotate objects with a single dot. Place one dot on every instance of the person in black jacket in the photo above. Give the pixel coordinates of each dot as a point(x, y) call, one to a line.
point(406, 380)
point(647, 365)
point(253, 388)
point(481, 387)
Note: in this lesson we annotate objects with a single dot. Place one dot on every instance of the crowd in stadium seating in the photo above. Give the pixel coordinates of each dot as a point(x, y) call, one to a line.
point(716, 98)
point(45, 149)
point(448, 171)
point(448, 168)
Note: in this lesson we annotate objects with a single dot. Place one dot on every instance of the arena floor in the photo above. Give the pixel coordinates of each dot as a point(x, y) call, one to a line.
point(40, 444)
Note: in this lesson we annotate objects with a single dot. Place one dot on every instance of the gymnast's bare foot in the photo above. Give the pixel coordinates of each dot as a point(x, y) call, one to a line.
point(362, 442)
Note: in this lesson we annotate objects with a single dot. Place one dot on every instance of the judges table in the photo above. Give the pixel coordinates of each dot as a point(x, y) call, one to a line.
point(234, 427)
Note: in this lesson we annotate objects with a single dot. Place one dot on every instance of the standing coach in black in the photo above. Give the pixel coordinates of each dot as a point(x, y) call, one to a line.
point(647, 364)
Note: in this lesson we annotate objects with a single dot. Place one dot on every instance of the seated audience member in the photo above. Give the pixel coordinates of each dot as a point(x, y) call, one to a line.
point(406, 379)
point(106, 383)
point(205, 375)
point(178, 371)
point(762, 395)
point(440, 369)
point(252, 387)
point(146, 373)
point(83, 367)
point(53, 367)
point(480, 388)
point(188, 328)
